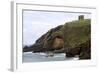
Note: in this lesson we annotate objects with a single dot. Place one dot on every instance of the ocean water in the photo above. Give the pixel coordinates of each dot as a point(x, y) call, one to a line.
point(43, 57)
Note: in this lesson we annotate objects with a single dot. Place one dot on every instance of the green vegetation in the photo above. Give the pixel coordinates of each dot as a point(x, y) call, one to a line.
point(76, 32)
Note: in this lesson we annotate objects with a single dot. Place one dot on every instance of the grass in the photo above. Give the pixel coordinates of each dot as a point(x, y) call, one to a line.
point(76, 32)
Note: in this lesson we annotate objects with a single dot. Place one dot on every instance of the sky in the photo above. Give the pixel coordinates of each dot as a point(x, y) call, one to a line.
point(37, 23)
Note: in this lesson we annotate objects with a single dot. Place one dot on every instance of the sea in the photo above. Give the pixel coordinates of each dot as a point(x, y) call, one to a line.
point(44, 57)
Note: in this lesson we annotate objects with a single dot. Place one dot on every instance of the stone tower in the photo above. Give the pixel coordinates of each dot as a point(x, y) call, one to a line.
point(81, 17)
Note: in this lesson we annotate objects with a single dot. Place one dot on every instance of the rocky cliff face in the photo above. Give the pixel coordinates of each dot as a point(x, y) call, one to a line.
point(72, 38)
point(45, 42)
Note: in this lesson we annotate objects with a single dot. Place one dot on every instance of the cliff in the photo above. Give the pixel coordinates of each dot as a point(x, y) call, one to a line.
point(72, 38)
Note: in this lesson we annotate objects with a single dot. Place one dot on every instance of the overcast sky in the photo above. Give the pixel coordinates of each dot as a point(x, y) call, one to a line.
point(36, 23)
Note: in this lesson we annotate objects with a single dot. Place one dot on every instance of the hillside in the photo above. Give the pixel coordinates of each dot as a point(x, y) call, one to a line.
point(70, 38)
